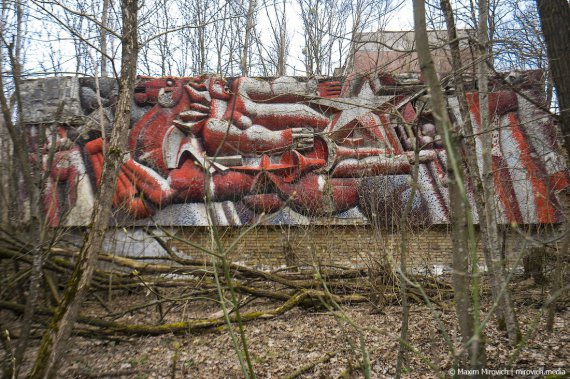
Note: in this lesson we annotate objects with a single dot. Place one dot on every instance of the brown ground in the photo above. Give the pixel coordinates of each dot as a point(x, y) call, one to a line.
point(280, 346)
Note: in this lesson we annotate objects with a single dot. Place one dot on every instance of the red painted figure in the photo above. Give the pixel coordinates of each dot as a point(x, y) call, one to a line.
point(318, 146)
point(178, 147)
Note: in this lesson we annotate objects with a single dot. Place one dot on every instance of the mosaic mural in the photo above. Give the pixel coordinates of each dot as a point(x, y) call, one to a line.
point(336, 150)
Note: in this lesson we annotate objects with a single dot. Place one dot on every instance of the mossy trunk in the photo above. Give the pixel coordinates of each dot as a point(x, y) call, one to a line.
point(55, 338)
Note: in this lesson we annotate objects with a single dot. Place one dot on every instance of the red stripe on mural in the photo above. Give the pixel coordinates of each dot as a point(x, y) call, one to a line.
point(559, 180)
point(473, 101)
point(390, 134)
point(436, 165)
point(506, 191)
point(330, 128)
point(499, 104)
point(50, 201)
point(545, 211)
point(370, 127)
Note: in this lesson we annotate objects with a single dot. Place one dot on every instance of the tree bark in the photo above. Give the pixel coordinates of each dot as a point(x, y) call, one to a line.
point(244, 61)
point(55, 338)
point(404, 250)
point(491, 235)
point(461, 218)
point(496, 273)
point(554, 16)
point(34, 231)
point(282, 52)
point(104, 22)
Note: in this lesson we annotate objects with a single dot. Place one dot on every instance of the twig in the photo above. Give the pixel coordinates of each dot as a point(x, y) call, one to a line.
point(309, 366)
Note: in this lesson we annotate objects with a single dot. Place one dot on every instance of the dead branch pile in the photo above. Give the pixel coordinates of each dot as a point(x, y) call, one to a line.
point(175, 281)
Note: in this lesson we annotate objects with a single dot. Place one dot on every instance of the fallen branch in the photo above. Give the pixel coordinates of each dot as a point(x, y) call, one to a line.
point(309, 366)
point(112, 327)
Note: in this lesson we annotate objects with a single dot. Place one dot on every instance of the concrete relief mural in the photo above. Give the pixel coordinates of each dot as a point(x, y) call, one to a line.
point(330, 150)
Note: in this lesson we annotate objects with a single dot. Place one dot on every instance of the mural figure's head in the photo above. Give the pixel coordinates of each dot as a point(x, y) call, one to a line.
point(166, 91)
point(218, 88)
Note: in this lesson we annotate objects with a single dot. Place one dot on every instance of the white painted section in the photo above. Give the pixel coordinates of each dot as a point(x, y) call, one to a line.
point(80, 214)
point(220, 215)
point(171, 145)
point(426, 185)
point(519, 175)
point(131, 242)
point(231, 213)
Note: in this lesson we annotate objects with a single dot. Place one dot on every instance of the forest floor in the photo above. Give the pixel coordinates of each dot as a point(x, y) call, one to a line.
point(316, 338)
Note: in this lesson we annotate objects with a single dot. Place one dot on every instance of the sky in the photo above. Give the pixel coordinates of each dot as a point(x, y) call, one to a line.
point(401, 19)
point(56, 47)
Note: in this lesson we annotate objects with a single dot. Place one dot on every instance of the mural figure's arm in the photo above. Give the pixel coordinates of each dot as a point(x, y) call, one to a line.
point(275, 116)
point(317, 194)
point(191, 184)
point(224, 138)
point(137, 185)
point(274, 105)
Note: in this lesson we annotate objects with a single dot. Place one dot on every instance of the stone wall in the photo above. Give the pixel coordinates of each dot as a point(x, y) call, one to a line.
point(268, 246)
point(271, 247)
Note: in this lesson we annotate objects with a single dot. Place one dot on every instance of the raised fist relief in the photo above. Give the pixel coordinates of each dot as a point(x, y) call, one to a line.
point(303, 138)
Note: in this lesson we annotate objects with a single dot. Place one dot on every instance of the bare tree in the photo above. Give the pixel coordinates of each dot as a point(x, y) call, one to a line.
point(55, 338)
point(158, 53)
point(227, 38)
point(364, 14)
point(519, 42)
point(323, 26)
point(557, 36)
point(280, 40)
point(490, 246)
point(196, 40)
point(103, 28)
point(490, 210)
point(462, 232)
point(31, 224)
point(247, 39)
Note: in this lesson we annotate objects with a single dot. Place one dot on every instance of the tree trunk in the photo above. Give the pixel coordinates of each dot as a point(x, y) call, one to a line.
point(404, 251)
point(55, 338)
point(104, 22)
point(461, 218)
point(495, 273)
point(554, 16)
point(244, 61)
point(282, 53)
point(469, 143)
point(502, 294)
point(34, 231)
